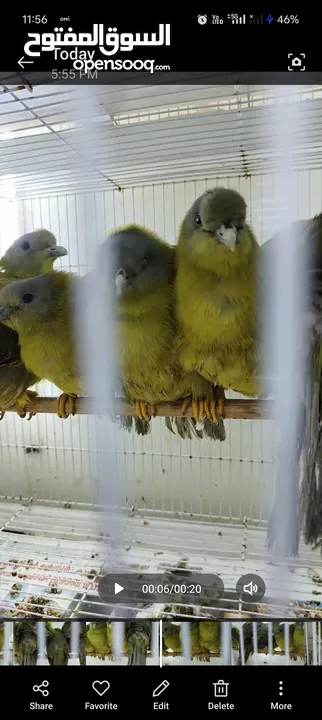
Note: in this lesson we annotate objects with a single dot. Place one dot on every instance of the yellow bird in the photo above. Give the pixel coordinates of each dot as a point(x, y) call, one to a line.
point(216, 291)
point(29, 255)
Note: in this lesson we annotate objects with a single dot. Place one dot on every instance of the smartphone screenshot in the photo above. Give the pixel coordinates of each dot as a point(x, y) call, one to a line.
point(160, 362)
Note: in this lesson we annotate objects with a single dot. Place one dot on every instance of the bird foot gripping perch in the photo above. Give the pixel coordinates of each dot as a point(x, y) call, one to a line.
point(211, 408)
point(22, 402)
point(209, 412)
point(143, 410)
point(66, 406)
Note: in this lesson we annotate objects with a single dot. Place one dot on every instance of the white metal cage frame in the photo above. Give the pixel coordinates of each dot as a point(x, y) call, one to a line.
point(152, 152)
point(250, 650)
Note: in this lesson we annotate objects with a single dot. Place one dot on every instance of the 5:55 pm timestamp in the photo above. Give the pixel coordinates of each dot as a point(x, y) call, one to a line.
point(74, 74)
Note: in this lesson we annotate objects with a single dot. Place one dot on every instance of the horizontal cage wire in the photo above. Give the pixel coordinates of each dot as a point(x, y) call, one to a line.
point(139, 643)
point(200, 505)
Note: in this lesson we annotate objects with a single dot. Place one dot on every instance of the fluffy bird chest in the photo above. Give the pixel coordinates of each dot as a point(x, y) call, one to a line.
point(216, 311)
point(143, 347)
point(51, 356)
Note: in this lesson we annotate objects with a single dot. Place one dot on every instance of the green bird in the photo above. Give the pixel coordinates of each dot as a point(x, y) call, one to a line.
point(143, 269)
point(171, 637)
point(26, 642)
point(109, 637)
point(209, 633)
point(194, 638)
point(99, 639)
point(279, 636)
point(29, 255)
point(57, 648)
point(66, 630)
point(235, 638)
point(138, 635)
point(88, 645)
point(41, 311)
point(262, 640)
point(215, 291)
point(299, 638)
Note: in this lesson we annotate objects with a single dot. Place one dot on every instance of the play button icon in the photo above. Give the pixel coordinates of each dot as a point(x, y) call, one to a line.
point(117, 588)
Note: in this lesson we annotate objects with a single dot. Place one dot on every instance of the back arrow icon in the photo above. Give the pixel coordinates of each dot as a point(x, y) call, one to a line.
point(25, 62)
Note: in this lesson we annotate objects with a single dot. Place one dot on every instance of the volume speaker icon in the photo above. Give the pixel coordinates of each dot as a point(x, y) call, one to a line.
point(251, 588)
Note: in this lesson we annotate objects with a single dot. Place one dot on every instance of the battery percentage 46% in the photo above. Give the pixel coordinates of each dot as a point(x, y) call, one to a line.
point(288, 19)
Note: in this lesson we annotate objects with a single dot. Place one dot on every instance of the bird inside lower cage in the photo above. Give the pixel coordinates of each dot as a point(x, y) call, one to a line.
point(246, 643)
point(79, 643)
point(138, 642)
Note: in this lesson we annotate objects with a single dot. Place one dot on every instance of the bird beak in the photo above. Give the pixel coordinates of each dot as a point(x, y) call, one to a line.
point(5, 313)
point(121, 281)
point(227, 236)
point(56, 251)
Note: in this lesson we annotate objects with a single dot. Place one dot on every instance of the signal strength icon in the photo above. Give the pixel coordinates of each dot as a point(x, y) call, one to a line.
point(256, 20)
point(237, 20)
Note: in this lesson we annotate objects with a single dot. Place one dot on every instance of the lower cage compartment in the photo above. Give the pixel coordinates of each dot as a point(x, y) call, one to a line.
point(51, 559)
point(159, 643)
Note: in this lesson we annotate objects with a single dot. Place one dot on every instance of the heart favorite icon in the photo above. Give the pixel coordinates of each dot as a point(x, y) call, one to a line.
point(101, 687)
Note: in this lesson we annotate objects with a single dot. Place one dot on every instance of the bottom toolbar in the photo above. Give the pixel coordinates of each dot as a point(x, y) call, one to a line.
point(173, 690)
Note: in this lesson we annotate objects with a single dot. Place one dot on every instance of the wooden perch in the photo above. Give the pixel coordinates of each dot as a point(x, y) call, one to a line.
point(234, 409)
point(203, 654)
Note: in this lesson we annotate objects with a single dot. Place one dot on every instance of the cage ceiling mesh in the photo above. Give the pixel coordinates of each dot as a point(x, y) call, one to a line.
point(145, 134)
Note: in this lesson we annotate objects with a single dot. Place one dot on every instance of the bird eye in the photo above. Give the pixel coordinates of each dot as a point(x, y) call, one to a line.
point(25, 245)
point(198, 219)
point(27, 298)
point(144, 264)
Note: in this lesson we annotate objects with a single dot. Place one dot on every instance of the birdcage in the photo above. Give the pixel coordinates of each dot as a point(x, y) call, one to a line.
point(79, 161)
point(113, 643)
point(168, 644)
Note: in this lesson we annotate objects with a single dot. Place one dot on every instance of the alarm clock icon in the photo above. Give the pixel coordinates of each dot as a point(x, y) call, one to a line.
point(202, 19)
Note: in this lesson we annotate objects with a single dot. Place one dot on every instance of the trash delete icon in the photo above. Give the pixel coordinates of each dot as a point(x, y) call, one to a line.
point(221, 688)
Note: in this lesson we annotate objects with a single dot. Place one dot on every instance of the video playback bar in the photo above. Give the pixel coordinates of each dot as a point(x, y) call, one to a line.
point(177, 587)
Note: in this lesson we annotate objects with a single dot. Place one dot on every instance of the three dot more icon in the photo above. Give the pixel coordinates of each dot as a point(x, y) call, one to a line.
point(280, 688)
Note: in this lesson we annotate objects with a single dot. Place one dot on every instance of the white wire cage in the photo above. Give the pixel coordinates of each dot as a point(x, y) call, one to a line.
point(198, 503)
point(198, 643)
point(103, 644)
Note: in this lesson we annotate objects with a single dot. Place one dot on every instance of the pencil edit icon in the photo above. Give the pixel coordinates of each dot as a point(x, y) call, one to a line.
point(160, 689)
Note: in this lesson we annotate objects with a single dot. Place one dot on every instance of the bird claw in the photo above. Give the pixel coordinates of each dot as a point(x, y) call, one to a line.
point(66, 406)
point(198, 410)
point(220, 399)
point(142, 410)
point(21, 412)
point(211, 410)
point(185, 404)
